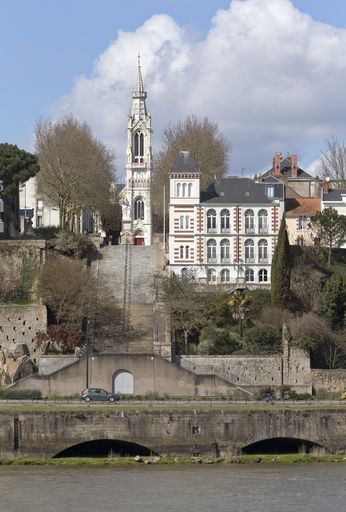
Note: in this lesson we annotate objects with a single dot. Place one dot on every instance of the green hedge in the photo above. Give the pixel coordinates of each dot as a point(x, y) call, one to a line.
point(20, 394)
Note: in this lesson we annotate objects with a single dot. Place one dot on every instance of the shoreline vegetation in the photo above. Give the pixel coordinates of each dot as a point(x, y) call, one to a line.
point(294, 458)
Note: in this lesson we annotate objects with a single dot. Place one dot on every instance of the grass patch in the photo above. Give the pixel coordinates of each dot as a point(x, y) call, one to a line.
point(107, 407)
point(126, 461)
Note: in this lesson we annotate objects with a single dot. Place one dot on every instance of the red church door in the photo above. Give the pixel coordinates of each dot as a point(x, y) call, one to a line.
point(139, 241)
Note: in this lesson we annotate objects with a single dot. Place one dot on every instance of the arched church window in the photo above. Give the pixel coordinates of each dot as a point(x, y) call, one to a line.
point(178, 189)
point(139, 146)
point(184, 189)
point(189, 189)
point(139, 209)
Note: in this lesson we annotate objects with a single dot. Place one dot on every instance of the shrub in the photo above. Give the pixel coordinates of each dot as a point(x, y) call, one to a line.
point(262, 339)
point(217, 341)
point(307, 343)
point(71, 244)
point(20, 394)
point(45, 232)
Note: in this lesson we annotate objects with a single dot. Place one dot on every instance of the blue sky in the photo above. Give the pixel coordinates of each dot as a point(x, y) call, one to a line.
point(50, 49)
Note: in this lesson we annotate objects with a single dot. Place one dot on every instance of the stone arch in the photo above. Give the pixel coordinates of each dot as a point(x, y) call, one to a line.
point(122, 382)
point(283, 444)
point(104, 448)
point(138, 237)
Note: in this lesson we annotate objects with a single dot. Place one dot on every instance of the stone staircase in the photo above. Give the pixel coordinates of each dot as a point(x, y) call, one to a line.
point(126, 274)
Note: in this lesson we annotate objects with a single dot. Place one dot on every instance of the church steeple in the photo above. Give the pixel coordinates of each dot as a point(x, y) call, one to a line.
point(136, 206)
point(139, 107)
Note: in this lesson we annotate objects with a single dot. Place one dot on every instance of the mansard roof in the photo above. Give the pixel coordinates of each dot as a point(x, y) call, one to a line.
point(334, 194)
point(234, 190)
point(184, 164)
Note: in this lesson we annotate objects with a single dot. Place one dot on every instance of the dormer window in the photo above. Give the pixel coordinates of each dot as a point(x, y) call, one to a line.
point(270, 191)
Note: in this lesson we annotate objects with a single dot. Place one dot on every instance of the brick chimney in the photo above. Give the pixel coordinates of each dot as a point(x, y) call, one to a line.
point(325, 186)
point(294, 165)
point(276, 164)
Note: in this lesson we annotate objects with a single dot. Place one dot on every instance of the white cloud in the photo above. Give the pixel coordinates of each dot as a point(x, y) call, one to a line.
point(269, 75)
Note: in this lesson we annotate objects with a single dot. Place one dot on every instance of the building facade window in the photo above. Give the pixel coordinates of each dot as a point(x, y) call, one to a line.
point(225, 275)
point(263, 251)
point(189, 189)
point(187, 252)
point(184, 221)
point(211, 251)
point(269, 191)
point(181, 252)
point(249, 221)
point(211, 275)
point(178, 189)
point(39, 222)
point(225, 221)
point(300, 241)
point(249, 275)
point(225, 251)
point(249, 251)
point(211, 221)
point(303, 222)
point(263, 221)
point(263, 275)
point(139, 209)
point(39, 204)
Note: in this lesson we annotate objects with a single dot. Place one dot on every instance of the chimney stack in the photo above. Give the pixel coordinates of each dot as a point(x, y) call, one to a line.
point(294, 166)
point(276, 164)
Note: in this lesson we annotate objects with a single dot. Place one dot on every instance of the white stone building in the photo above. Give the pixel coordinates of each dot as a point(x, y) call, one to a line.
point(227, 234)
point(34, 210)
point(136, 195)
point(334, 198)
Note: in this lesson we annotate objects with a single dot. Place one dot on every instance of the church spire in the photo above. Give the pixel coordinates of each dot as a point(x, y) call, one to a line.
point(139, 85)
point(139, 108)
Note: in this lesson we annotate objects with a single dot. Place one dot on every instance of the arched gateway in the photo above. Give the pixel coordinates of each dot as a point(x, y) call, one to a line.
point(123, 382)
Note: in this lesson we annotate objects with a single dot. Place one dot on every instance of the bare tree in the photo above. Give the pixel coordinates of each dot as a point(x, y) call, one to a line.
point(333, 161)
point(208, 148)
point(76, 169)
point(185, 303)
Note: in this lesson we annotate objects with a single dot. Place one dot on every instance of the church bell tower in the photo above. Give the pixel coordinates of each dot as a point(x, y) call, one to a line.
point(136, 203)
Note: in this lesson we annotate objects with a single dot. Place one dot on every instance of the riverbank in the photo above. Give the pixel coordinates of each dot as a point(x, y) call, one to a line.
point(294, 458)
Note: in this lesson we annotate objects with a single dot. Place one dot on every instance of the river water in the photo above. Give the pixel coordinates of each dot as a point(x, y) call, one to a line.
point(227, 488)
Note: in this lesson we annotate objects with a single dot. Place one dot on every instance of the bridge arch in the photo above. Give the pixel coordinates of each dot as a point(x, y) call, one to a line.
point(105, 448)
point(280, 445)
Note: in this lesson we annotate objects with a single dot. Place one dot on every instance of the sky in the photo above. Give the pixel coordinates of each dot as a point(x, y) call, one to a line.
point(270, 73)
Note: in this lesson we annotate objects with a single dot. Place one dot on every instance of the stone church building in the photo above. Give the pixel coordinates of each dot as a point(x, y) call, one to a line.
point(135, 196)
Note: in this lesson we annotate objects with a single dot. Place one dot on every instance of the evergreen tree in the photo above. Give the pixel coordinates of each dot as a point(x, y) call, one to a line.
point(329, 228)
point(333, 300)
point(16, 166)
point(281, 269)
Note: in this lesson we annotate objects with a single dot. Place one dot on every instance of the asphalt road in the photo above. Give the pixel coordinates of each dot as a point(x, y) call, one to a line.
point(179, 402)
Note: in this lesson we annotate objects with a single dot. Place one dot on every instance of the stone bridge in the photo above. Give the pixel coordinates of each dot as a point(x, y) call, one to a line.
point(31, 431)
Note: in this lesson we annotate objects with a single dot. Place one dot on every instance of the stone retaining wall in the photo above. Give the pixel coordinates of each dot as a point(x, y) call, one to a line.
point(329, 381)
point(20, 324)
